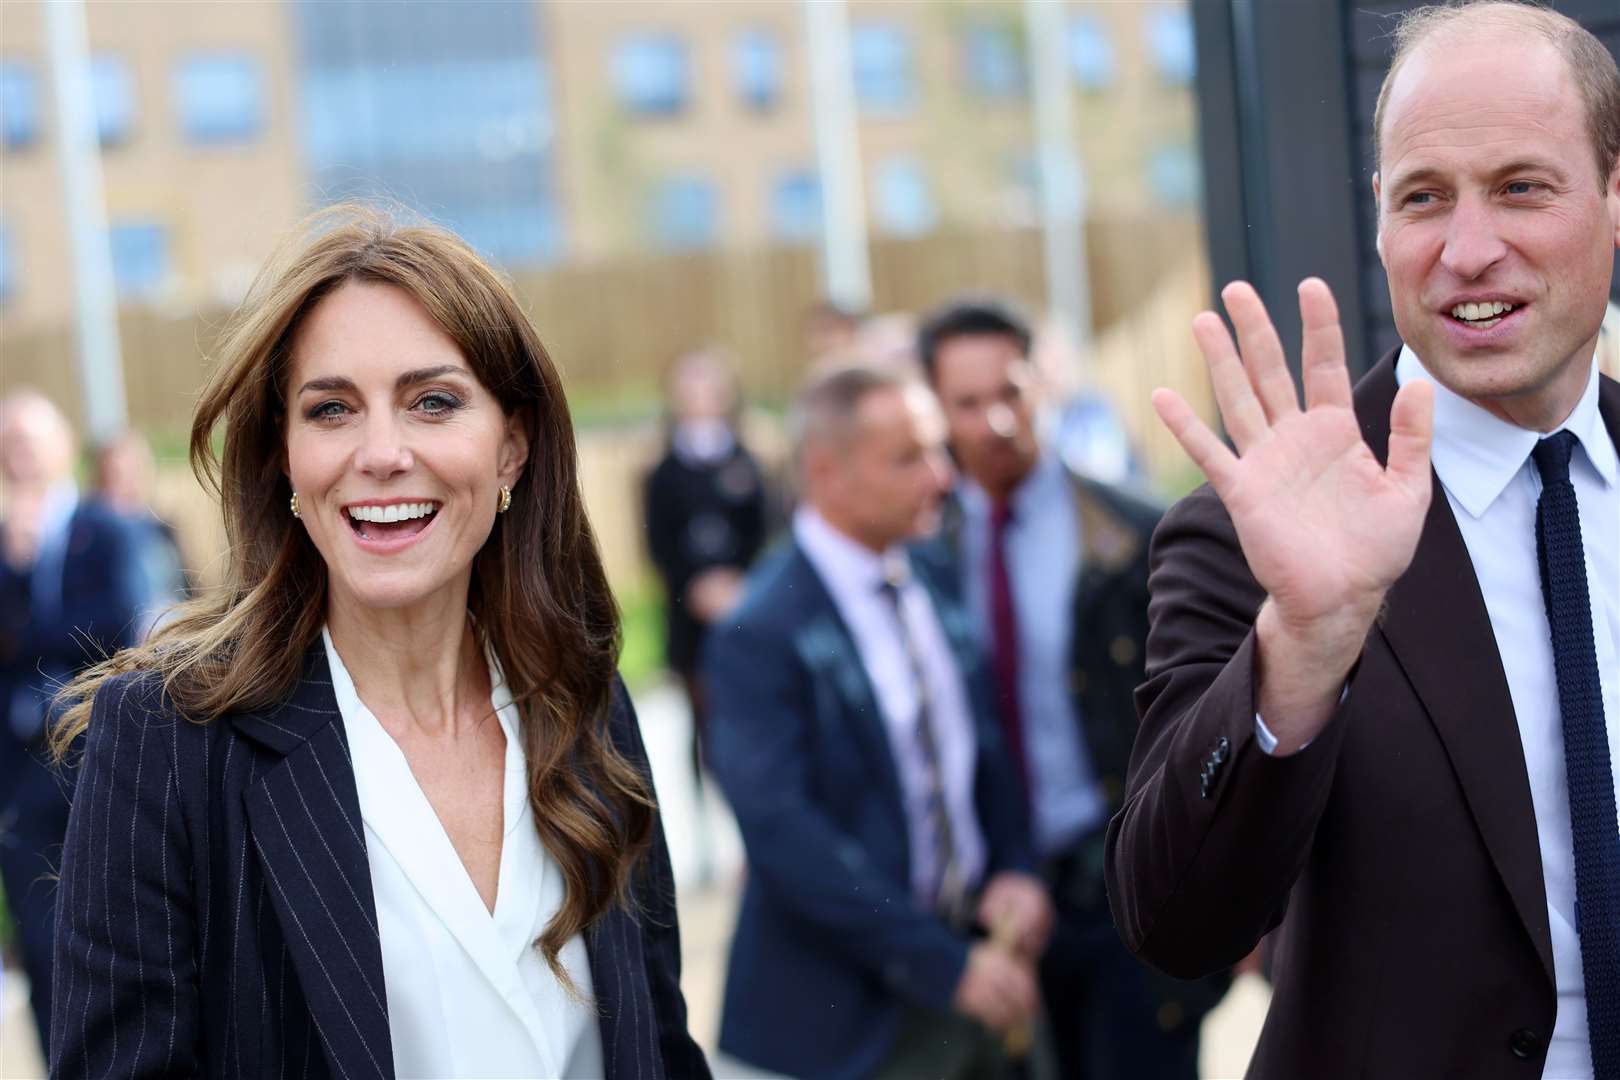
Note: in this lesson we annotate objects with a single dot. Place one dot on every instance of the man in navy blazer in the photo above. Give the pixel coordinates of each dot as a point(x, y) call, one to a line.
point(851, 733)
point(69, 594)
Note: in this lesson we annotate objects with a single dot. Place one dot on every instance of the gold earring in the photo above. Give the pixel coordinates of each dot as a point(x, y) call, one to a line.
point(294, 504)
point(506, 500)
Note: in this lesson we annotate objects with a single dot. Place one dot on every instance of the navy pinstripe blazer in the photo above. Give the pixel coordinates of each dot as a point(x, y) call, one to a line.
point(215, 913)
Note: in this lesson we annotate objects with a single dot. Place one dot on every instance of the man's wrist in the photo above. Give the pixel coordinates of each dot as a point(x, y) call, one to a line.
point(1301, 670)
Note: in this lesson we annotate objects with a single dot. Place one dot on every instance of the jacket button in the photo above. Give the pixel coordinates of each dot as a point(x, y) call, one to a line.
point(1122, 650)
point(1525, 1043)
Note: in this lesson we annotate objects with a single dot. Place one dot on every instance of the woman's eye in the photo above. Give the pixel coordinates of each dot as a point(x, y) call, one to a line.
point(438, 402)
point(326, 410)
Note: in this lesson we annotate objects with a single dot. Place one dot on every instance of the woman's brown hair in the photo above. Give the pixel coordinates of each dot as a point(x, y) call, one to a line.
point(539, 597)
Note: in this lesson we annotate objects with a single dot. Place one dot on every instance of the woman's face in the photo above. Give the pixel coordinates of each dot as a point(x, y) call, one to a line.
point(395, 449)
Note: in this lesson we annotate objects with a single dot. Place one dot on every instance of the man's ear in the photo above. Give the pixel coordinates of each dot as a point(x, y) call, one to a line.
point(514, 453)
point(1612, 198)
point(1378, 218)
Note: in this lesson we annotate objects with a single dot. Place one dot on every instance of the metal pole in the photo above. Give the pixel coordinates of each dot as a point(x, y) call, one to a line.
point(1062, 184)
point(101, 371)
point(845, 264)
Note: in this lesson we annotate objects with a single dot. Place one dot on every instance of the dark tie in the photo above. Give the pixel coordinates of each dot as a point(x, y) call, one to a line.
point(1004, 642)
point(1586, 748)
point(948, 892)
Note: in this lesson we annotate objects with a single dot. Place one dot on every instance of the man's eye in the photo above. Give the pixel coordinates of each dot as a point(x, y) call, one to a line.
point(1420, 198)
point(1522, 187)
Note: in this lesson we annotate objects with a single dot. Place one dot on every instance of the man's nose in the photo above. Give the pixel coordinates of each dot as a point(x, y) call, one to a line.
point(1473, 241)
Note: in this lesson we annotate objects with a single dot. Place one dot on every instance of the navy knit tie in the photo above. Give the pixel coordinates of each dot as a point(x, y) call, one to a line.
point(1586, 749)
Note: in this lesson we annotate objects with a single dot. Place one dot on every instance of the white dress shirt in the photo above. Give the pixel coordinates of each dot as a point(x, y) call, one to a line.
point(854, 576)
point(469, 994)
point(1043, 569)
point(1492, 485)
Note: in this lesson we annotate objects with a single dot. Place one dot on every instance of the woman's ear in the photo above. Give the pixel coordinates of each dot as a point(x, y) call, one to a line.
point(514, 448)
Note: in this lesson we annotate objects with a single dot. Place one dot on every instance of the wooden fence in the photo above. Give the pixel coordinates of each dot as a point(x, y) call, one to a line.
point(613, 326)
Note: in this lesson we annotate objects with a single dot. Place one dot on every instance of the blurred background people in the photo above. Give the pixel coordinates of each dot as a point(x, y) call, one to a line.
point(704, 508)
point(123, 484)
point(1053, 567)
point(850, 729)
point(70, 588)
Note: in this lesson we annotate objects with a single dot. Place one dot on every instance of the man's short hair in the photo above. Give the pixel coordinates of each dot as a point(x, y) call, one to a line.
point(1592, 68)
point(824, 411)
point(969, 317)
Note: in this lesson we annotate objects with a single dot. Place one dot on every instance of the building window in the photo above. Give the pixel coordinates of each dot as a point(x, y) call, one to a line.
point(904, 205)
point(685, 213)
point(756, 60)
point(140, 258)
point(8, 280)
point(1091, 54)
point(112, 89)
point(884, 83)
point(19, 104)
point(993, 62)
point(220, 98)
point(1174, 174)
point(1169, 34)
point(650, 75)
point(796, 206)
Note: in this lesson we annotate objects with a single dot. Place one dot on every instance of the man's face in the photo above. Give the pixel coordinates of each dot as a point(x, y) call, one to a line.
point(984, 384)
point(893, 474)
point(1495, 232)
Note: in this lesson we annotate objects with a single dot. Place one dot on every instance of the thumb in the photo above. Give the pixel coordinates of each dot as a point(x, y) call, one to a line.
point(1411, 431)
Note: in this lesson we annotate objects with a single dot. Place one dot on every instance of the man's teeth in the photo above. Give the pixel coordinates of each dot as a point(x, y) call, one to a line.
point(396, 512)
point(1488, 310)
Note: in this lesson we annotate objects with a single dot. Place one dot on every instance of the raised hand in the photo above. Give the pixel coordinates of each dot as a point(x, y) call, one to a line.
point(1324, 527)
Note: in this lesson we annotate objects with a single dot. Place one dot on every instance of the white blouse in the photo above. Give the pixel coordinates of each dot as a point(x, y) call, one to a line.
point(468, 993)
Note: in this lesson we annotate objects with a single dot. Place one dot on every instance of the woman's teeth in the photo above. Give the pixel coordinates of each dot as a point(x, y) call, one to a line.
point(396, 512)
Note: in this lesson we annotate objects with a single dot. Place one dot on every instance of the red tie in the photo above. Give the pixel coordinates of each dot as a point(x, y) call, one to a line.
point(1004, 641)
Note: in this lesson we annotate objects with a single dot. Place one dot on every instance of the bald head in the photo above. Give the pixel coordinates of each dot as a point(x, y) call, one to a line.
point(1592, 71)
point(36, 442)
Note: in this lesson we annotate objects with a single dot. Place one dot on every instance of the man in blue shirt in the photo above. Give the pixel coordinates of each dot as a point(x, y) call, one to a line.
point(1053, 567)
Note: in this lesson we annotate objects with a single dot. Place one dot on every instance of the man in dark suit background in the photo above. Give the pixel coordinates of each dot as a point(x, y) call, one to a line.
point(1053, 568)
point(70, 593)
point(1381, 715)
point(850, 731)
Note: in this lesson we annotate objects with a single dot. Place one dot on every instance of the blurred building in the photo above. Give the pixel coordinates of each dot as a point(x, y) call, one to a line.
point(558, 131)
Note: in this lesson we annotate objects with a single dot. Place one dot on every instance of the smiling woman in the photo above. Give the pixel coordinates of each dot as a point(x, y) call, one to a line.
point(389, 810)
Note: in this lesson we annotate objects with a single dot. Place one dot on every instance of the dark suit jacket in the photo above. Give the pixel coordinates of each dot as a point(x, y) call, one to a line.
point(102, 592)
point(700, 517)
point(216, 913)
point(1398, 851)
point(829, 946)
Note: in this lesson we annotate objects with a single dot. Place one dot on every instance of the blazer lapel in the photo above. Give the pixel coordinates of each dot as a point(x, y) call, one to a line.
point(1439, 630)
point(828, 648)
point(304, 817)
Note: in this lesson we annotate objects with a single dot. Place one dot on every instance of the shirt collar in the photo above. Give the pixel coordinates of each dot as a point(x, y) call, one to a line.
point(840, 558)
point(1476, 453)
point(1034, 489)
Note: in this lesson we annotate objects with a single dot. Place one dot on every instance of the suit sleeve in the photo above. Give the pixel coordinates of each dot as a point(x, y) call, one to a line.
point(126, 998)
point(1198, 871)
point(761, 714)
point(660, 927)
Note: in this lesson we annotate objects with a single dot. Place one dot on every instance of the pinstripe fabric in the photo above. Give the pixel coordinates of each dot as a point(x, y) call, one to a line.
point(215, 913)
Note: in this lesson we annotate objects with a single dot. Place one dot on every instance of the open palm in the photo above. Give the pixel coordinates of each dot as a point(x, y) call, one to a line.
point(1324, 527)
